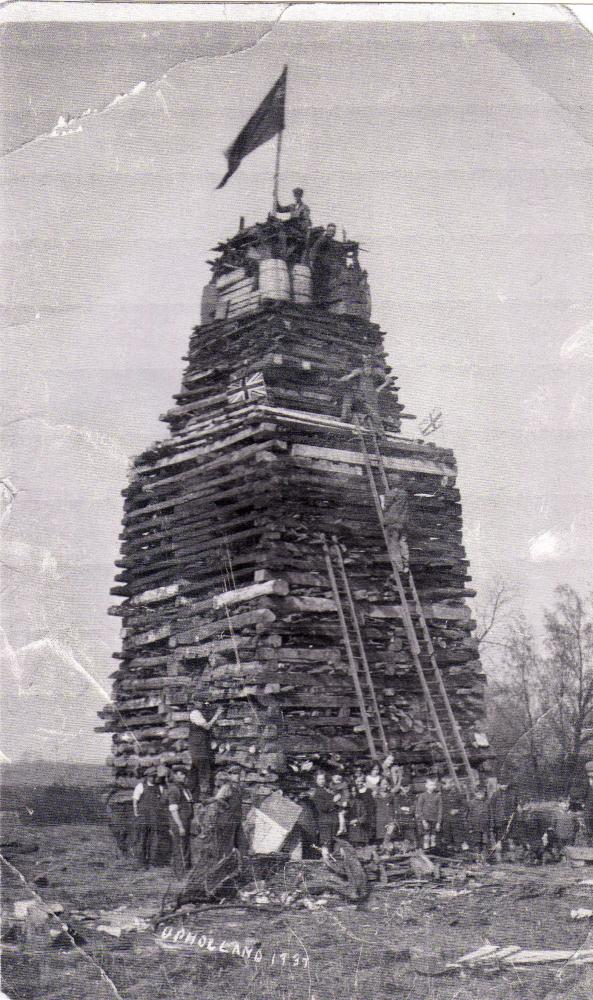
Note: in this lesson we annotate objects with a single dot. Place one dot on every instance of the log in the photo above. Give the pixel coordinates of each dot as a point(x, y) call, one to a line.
point(243, 594)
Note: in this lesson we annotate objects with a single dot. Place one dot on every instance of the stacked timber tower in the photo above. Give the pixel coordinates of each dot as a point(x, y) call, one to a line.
point(254, 572)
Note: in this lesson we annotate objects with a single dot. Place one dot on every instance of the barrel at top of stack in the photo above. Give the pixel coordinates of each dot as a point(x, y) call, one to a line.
point(278, 262)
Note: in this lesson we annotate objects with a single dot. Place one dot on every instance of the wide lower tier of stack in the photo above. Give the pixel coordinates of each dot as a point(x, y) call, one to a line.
point(226, 595)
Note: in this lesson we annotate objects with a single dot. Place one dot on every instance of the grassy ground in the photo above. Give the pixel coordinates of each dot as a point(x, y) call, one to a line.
point(393, 946)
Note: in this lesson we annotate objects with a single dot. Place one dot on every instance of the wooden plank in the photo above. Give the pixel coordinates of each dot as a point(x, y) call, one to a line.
point(316, 605)
point(404, 464)
point(224, 645)
point(324, 654)
point(277, 586)
point(196, 634)
point(202, 470)
point(146, 638)
point(204, 450)
point(431, 611)
point(156, 595)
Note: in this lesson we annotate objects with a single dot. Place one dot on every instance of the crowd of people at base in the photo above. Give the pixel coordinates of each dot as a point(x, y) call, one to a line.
point(165, 814)
point(376, 809)
point(379, 809)
point(478, 817)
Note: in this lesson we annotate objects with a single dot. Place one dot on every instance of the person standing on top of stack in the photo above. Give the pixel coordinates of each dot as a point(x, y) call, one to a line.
point(396, 510)
point(298, 211)
point(429, 813)
point(200, 749)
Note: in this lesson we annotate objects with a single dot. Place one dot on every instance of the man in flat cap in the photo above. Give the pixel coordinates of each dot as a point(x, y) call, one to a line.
point(145, 802)
point(298, 211)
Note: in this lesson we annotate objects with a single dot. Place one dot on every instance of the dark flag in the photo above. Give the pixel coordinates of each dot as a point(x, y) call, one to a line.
point(264, 124)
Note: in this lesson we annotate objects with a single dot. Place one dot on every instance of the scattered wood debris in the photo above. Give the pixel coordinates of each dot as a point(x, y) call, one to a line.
point(514, 955)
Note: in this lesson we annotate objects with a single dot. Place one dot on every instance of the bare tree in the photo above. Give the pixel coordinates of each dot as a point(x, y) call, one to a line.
point(494, 611)
point(568, 667)
point(517, 718)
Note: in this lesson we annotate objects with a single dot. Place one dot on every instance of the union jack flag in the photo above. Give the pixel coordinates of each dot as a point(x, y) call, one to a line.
point(247, 389)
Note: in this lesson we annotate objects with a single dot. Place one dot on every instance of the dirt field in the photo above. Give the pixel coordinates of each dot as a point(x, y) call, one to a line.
point(395, 945)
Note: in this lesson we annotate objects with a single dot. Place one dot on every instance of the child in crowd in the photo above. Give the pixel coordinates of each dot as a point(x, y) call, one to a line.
point(478, 821)
point(454, 827)
point(361, 814)
point(384, 805)
point(337, 783)
point(404, 816)
point(342, 800)
point(373, 778)
point(429, 814)
point(391, 771)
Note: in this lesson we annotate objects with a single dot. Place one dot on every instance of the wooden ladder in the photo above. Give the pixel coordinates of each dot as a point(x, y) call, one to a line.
point(358, 663)
point(419, 639)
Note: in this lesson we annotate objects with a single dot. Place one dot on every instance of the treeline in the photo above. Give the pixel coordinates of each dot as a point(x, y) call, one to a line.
point(540, 691)
point(55, 804)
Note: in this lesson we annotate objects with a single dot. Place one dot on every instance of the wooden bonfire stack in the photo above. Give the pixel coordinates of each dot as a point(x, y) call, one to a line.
point(225, 588)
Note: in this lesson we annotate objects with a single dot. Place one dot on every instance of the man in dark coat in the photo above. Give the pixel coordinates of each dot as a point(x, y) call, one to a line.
point(325, 811)
point(180, 817)
point(162, 852)
point(146, 806)
point(361, 814)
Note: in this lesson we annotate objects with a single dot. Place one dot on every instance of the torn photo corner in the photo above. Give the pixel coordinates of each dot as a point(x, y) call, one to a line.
point(297, 386)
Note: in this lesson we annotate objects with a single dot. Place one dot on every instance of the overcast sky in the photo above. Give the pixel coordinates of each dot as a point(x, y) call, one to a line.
point(460, 155)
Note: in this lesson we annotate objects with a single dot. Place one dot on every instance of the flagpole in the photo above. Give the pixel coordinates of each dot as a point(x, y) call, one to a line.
point(277, 168)
point(279, 142)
